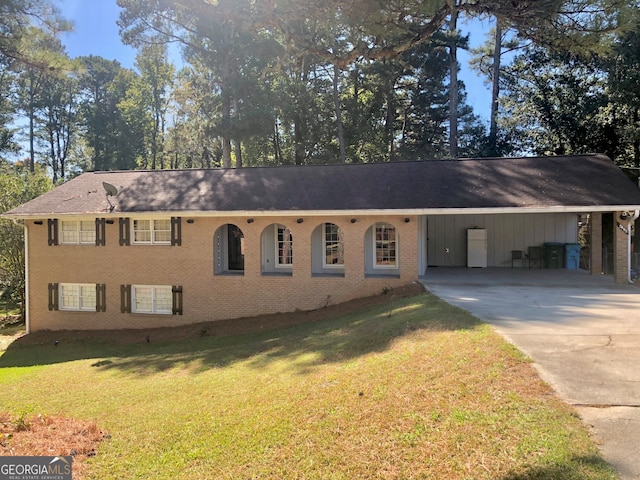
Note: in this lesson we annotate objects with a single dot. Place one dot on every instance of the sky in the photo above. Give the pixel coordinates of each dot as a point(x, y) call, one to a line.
point(96, 33)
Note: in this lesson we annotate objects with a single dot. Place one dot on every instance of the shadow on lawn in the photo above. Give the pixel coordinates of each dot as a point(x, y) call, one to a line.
point(581, 467)
point(302, 345)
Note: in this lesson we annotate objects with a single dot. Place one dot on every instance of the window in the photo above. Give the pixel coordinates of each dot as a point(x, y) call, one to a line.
point(284, 246)
point(78, 232)
point(333, 243)
point(152, 231)
point(385, 248)
point(80, 296)
point(152, 299)
point(88, 297)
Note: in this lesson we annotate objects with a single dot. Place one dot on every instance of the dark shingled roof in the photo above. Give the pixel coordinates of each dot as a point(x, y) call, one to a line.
point(581, 181)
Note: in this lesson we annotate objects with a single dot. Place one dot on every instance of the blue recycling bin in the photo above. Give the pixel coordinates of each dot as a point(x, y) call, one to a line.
point(572, 256)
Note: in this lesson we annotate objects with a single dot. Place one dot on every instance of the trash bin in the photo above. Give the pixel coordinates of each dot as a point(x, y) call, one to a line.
point(572, 256)
point(553, 255)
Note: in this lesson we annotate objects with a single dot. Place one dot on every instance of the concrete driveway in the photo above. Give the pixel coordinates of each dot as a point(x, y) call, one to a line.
point(583, 334)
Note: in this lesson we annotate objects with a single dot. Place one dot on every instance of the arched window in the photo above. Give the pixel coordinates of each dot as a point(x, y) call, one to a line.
point(277, 250)
point(327, 250)
point(228, 249)
point(381, 250)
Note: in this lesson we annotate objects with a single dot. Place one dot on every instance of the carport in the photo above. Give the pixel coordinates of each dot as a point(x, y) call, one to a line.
point(520, 203)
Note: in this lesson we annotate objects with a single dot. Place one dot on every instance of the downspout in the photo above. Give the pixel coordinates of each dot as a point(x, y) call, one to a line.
point(26, 274)
point(632, 219)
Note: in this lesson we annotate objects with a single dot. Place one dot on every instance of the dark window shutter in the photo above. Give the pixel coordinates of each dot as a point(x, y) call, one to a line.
point(177, 300)
point(125, 298)
point(52, 224)
point(176, 231)
point(101, 297)
point(53, 296)
point(100, 232)
point(125, 232)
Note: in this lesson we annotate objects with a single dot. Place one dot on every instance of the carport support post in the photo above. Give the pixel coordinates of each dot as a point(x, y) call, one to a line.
point(621, 248)
point(595, 243)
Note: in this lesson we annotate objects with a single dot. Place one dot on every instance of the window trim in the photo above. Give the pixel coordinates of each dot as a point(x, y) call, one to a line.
point(154, 309)
point(337, 266)
point(80, 307)
point(375, 264)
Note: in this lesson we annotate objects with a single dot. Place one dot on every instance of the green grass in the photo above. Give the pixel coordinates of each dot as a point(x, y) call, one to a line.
point(7, 307)
point(414, 389)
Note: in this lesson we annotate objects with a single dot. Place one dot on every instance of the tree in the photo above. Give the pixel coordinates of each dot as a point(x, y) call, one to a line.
point(154, 84)
point(58, 119)
point(392, 28)
point(191, 141)
point(115, 141)
point(453, 84)
point(487, 61)
point(16, 16)
point(426, 99)
point(215, 35)
point(7, 143)
point(622, 65)
point(17, 186)
point(42, 55)
point(553, 105)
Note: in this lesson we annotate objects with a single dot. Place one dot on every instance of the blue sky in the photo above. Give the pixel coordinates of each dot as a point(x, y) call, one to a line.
point(96, 33)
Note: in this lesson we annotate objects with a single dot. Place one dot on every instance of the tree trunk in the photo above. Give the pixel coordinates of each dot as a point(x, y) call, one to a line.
point(338, 109)
point(636, 140)
point(390, 119)
point(495, 91)
point(238, 151)
point(453, 85)
point(226, 127)
point(237, 144)
point(277, 153)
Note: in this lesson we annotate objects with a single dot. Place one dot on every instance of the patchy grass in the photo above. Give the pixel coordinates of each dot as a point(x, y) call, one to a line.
point(410, 387)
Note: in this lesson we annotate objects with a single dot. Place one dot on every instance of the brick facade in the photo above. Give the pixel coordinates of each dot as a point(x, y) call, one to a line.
point(621, 236)
point(207, 296)
point(595, 252)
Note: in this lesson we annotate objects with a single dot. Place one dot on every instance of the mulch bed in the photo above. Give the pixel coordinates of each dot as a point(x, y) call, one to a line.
point(37, 435)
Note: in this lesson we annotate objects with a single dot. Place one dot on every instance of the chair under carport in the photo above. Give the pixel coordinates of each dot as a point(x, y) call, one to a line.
point(518, 256)
point(535, 256)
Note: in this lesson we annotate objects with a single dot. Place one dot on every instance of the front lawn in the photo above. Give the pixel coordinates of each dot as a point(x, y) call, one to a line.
point(412, 388)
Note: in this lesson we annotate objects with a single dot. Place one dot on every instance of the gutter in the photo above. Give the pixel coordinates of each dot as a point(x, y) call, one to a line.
point(313, 213)
point(26, 274)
